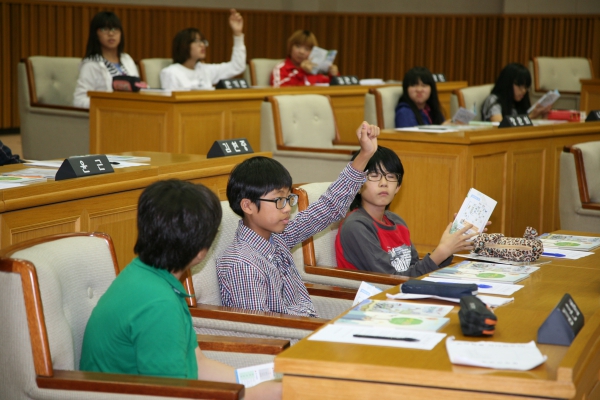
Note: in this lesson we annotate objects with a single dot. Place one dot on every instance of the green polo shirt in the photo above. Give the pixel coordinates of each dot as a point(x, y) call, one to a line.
point(141, 325)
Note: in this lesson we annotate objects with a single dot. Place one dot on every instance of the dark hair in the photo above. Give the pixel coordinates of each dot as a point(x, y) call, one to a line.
point(412, 78)
point(384, 160)
point(104, 19)
point(301, 37)
point(254, 178)
point(176, 220)
point(181, 44)
point(516, 74)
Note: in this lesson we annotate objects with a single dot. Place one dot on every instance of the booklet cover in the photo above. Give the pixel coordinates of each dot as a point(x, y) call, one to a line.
point(390, 320)
point(476, 209)
point(323, 59)
point(569, 242)
point(481, 271)
point(464, 116)
point(545, 100)
point(397, 307)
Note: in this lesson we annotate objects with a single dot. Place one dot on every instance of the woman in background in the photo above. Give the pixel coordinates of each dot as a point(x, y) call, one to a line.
point(296, 69)
point(510, 96)
point(419, 103)
point(104, 58)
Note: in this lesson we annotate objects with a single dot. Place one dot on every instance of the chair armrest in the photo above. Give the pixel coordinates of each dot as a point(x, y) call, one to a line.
point(256, 317)
point(372, 277)
point(335, 292)
point(591, 206)
point(242, 344)
point(315, 150)
point(140, 385)
point(61, 108)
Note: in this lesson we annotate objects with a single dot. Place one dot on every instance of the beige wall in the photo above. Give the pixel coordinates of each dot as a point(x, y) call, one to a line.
point(493, 7)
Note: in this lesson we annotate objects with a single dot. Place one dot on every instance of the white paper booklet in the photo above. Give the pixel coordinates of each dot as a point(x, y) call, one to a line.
point(546, 100)
point(476, 209)
point(497, 355)
point(323, 59)
point(252, 376)
point(464, 116)
point(569, 242)
point(492, 301)
point(365, 291)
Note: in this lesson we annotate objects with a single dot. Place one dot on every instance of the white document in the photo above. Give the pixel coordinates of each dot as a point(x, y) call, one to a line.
point(498, 260)
point(422, 340)
point(546, 100)
point(464, 116)
point(503, 289)
point(563, 253)
point(49, 173)
point(323, 59)
point(120, 158)
point(252, 376)
point(476, 209)
point(371, 82)
point(491, 301)
point(429, 129)
point(49, 163)
point(365, 291)
point(497, 355)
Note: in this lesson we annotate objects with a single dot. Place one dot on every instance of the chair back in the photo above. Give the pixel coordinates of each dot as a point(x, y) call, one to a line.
point(204, 274)
point(49, 288)
point(52, 80)
point(260, 70)
point(305, 120)
point(562, 73)
point(150, 70)
point(380, 106)
point(472, 98)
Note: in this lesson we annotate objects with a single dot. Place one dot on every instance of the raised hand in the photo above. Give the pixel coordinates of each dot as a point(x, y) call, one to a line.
point(367, 138)
point(236, 22)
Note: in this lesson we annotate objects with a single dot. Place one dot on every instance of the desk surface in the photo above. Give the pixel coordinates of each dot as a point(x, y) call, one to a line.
point(353, 370)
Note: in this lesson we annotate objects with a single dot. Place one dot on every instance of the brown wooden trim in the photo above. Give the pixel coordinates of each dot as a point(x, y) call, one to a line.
point(188, 285)
point(334, 292)
point(591, 206)
point(308, 249)
point(140, 385)
point(256, 317)
point(378, 107)
point(55, 107)
point(591, 69)
point(252, 73)
point(316, 150)
point(584, 194)
point(536, 72)
point(372, 277)
point(31, 83)
point(242, 344)
point(460, 97)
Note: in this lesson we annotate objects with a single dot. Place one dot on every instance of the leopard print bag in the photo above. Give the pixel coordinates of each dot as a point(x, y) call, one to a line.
point(527, 248)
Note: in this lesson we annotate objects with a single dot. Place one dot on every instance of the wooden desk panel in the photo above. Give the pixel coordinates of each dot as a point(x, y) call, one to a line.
point(106, 203)
point(189, 122)
point(518, 167)
point(590, 95)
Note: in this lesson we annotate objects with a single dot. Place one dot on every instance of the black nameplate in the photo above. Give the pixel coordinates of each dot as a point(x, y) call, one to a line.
point(439, 78)
point(345, 80)
point(594, 116)
point(563, 323)
point(230, 147)
point(232, 84)
point(512, 122)
point(78, 166)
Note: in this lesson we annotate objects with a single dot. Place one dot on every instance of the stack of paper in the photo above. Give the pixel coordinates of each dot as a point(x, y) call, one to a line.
point(569, 242)
point(480, 271)
point(9, 180)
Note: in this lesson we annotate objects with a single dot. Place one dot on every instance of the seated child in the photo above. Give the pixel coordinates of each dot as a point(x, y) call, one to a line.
point(188, 70)
point(257, 270)
point(419, 103)
point(296, 69)
point(371, 238)
point(142, 325)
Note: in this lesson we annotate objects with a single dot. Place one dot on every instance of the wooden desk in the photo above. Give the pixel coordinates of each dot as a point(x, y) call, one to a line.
point(322, 370)
point(590, 95)
point(518, 167)
point(189, 122)
point(106, 203)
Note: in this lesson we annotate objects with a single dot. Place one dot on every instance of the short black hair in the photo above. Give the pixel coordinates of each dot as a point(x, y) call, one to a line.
point(104, 19)
point(176, 220)
point(512, 74)
point(253, 178)
point(384, 160)
point(181, 44)
point(412, 78)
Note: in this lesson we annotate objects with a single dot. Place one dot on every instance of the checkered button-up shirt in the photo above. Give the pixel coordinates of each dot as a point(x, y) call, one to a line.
point(260, 275)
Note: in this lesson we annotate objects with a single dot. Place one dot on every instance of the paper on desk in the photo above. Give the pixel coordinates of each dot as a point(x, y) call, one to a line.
point(49, 173)
point(255, 374)
point(503, 289)
point(428, 129)
point(365, 290)
point(568, 254)
point(345, 334)
point(497, 355)
point(491, 301)
point(498, 260)
point(47, 163)
point(124, 164)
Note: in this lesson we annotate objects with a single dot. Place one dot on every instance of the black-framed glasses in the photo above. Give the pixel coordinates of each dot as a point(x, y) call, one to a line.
point(376, 176)
point(201, 41)
point(280, 202)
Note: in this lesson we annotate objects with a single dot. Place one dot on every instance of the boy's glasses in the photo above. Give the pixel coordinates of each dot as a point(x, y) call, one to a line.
point(201, 41)
point(280, 202)
point(376, 177)
point(110, 30)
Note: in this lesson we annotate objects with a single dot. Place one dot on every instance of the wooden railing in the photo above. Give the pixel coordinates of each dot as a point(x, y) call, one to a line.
point(469, 48)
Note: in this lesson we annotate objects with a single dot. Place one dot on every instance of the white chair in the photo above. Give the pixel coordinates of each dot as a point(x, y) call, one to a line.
point(471, 98)
point(579, 199)
point(49, 288)
point(260, 70)
point(562, 73)
point(150, 70)
point(50, 126)
point(380, 106)
point(301, 132)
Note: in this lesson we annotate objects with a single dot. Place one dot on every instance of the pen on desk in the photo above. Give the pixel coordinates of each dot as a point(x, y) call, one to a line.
point(553, 254)
point(114, 163)
point(404, 339)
